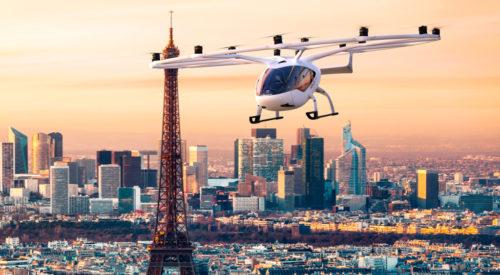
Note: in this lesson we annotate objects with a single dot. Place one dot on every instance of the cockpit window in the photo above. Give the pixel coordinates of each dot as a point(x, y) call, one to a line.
point(285, 79)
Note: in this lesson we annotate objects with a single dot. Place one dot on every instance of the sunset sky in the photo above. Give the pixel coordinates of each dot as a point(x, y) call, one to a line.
point(81, 68)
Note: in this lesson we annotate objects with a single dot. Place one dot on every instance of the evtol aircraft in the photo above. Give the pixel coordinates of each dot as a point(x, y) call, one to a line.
point(289, 82)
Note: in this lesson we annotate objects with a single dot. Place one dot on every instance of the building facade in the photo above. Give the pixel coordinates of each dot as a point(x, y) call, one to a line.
point(59, 184)
point(243, 157)
point(351, 165)
point(131, 171)
point(6, 166)
point(109, 181)
point(268, 157)
point(79, 205)
point(55, 147)
point(427, 189)
point(20, 142)
point(40, 158)
point(313, 162)
point(198, 157)
point(286, 190)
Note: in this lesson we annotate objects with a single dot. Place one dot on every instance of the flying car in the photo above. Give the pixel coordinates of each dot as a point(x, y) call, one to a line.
point(289, 82)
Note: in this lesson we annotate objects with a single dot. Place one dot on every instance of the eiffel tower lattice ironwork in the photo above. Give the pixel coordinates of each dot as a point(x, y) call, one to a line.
point(171, 249)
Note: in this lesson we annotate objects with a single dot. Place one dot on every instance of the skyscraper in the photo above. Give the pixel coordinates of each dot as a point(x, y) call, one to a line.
point(103, 157)
point(59, 183)
point(427, 189)
point(40, 158)
point(199, 154)
point(263, 132)
point(109, 181)
point(118, 157)
point(55, 147)
point(190, 184)
point(313, 160)
point(302, 135)
point(6, 166)
point(88, 167)
point(20, 142)
point(184, 151)
point(286, 190)
point(351, 165)
point(131, 171)
point(268, 157)
point(75, 173)
point(243, 157)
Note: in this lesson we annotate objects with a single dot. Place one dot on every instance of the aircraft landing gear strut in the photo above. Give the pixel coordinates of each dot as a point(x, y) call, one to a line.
point(256, 119)
point(314, 114)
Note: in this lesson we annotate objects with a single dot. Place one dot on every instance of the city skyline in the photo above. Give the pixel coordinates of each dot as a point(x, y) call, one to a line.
point(420, 100)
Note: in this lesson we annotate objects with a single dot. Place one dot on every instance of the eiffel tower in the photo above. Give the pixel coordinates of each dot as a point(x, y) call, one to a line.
point(171, 251)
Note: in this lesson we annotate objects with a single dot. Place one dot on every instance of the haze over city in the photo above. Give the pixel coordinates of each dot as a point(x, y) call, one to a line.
point(81, 68)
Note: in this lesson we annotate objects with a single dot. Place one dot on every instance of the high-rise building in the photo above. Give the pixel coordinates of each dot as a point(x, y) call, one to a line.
point(149, 178)
point(6, 166)
point(190, 183)
point(299, 184)
point(75, 173)
point(39, 153)
point(109, 181)
point(131, 171)
point(59, 184)
point(268, 157)
point(286, 190)
point(184, 151)
point(330, 168)
point(302, 135)
point(129, 199)
point(243, 157)
point(20, 142)
point(313, 159)
point(295, 153)
point(235, 159)
point(88, 167)
point(351, 165)
point(264, 132)
point(199, 154)
point(103, 157)
point(427, 189)
point(55, 147)
point(118, 157)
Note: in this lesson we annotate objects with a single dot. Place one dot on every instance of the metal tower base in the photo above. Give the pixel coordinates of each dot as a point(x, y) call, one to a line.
point(175, 260)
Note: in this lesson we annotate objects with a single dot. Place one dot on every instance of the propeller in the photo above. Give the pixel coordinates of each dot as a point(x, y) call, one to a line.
point(230, 47)
point(273, 35)
point(423, 29)
point(155, 56)
point(306, 38)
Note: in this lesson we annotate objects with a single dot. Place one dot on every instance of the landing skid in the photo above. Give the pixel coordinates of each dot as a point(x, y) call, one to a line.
point(313, 115)
point(256, 119)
